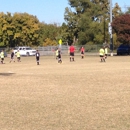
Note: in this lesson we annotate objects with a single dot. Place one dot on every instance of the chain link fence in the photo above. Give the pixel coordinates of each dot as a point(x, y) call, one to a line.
point(50, 50)
point(89, 49)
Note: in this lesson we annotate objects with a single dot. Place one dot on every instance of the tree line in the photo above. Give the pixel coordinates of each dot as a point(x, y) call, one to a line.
point(24, 29)
point(86, 23)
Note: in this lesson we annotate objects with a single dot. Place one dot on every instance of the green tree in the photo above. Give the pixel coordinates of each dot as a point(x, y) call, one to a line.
point(6, 29)
point(49, 42)
point(51, 31)
point(128, 11)
point(88, 20)
point(116, 10)
point(19, 29)
point(71, 30)
point(27, 29)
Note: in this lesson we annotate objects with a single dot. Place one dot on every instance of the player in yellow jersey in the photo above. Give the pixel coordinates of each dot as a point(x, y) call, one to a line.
point(106, 51)
point(2, 56)
point(18, 56)
point(102, 53)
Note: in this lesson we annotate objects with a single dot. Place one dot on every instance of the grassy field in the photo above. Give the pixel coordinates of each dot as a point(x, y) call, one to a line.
point(81, 95)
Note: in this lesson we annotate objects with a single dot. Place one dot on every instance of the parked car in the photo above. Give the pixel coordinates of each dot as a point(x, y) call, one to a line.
point(25, 51)
point(123, 49)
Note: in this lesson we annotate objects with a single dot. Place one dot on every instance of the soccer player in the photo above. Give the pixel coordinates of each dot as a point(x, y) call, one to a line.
point(82, 52)
point(106, 51)
point(56, 53)
point(59, 56)
point(12, 56)
point(18, 56)
point(71, 51)
point(101, 53)
point(2, 56)
point(37, 57)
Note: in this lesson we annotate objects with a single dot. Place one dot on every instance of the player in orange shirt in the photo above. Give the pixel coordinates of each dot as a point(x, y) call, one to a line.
point(82, 52)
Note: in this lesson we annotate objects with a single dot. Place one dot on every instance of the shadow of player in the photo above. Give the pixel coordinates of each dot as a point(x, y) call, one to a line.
point(6, 74)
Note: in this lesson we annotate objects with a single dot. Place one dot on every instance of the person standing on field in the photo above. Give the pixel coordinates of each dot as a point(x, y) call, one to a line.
point(59, 56)
point(56, 53)
point(12, 56)
point(37, 57)
point(101, 53)
point(82, 52)
point(2, 56)
point(18, 56)
point(71, 51)
point(106, 51)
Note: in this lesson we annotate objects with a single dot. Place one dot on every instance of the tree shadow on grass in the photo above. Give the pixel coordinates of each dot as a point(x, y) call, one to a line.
point(6, 74)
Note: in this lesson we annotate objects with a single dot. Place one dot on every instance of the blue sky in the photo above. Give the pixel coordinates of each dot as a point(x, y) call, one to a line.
point(48, 11)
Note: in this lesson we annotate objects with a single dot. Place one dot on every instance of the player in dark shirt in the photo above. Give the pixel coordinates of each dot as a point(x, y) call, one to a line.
point(12, 56)
point(37, 57)
point(59, 56)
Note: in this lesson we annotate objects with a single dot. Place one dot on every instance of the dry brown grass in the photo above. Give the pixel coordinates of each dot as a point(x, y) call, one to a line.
point(80, 95)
